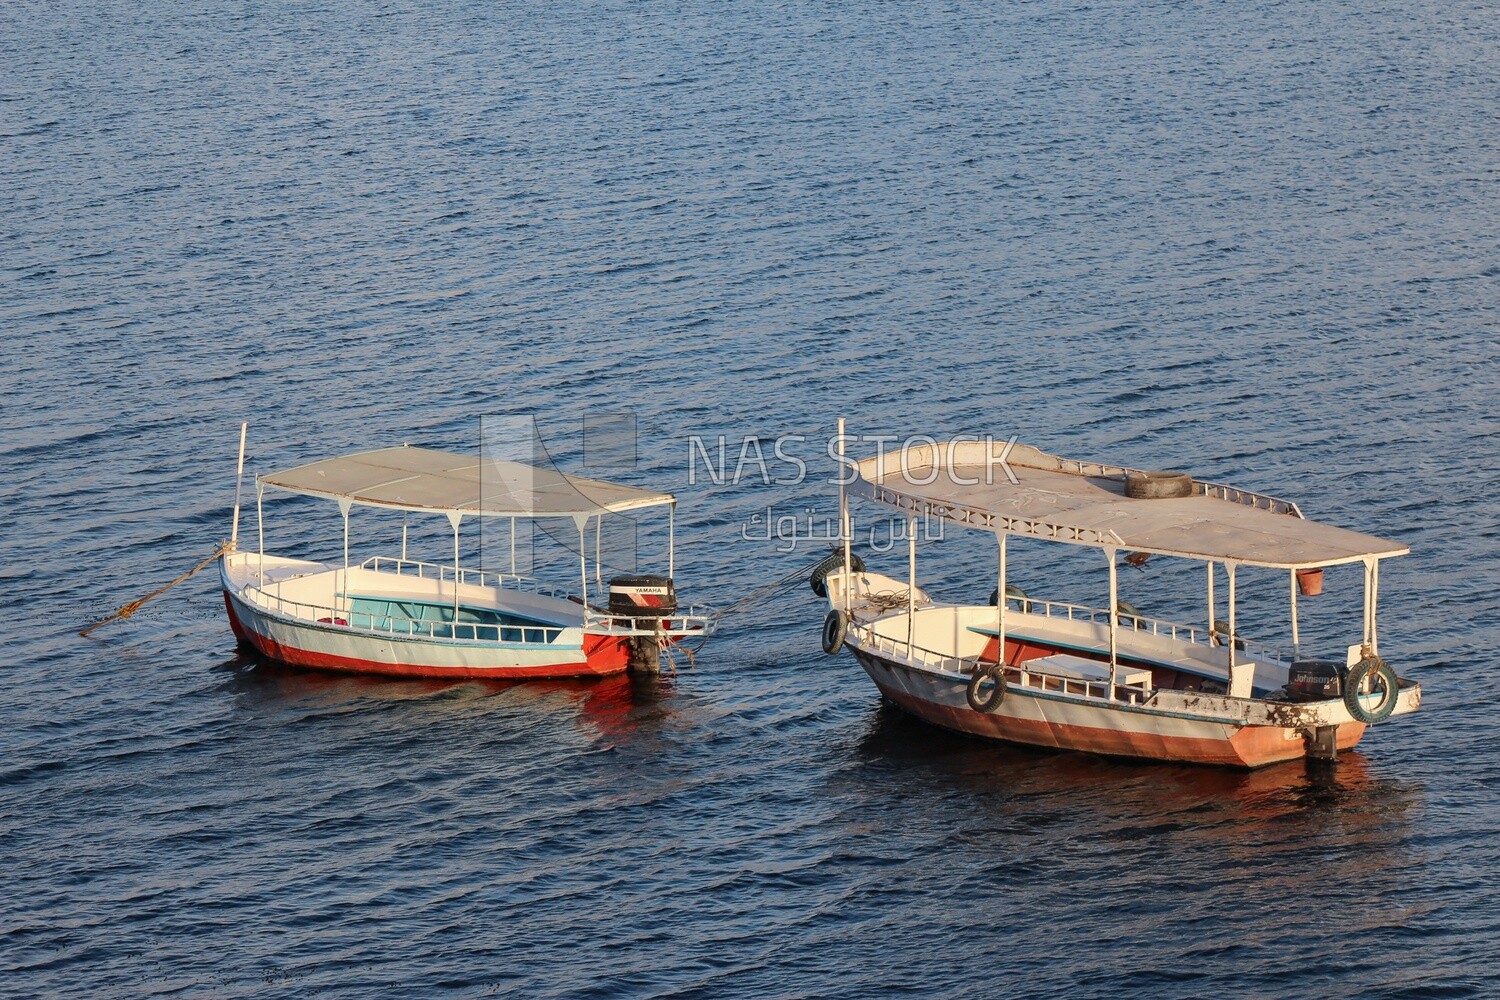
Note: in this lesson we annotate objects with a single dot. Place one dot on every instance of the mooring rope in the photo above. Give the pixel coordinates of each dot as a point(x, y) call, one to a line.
point(669, 656)
point(759, 595)
point(888, 600)
point(134, 606)
point(765, 592)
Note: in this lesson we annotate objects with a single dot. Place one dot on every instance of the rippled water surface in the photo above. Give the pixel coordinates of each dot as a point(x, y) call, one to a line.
point(1255, 241)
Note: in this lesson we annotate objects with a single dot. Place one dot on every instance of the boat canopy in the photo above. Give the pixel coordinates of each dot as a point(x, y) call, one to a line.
point(420, 479)
point(1084, 503)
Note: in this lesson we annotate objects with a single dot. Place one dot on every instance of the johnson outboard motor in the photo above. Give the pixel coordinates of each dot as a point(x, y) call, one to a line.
point(1315, 680)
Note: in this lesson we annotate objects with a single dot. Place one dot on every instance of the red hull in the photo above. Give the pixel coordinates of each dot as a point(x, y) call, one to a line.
point(1248, 747)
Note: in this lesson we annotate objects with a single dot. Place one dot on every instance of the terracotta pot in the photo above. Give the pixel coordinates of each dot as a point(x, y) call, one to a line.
point(1310, 582)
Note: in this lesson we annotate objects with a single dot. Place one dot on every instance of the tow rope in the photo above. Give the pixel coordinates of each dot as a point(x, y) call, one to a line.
point(134, 606)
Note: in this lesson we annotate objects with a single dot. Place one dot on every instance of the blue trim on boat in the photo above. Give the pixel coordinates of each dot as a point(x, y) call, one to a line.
point(425, 640)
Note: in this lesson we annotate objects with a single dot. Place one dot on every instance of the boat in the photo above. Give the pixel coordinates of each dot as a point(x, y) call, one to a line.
point(1109, 681)
point(395, 616)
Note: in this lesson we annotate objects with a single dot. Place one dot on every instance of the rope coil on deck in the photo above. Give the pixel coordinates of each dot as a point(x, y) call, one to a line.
point(888, 600)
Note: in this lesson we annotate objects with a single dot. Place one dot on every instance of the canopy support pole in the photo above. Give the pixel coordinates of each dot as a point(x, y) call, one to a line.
point(260, 529)
point(1239, 686)
point(239, 478)
point(598, 530)
point(1296, 641)
point(1212, 611)
point(672, 539)
point(1229, 568)
point(403, 536)
point(453, 519)
point(583, 562)
point(1114, 620)
point(345, 511)
point(911, 584)
point(1000, 608)
point(1371, 583)
point(344, 507)
point(1374, 606)
point(512, 546)
point(844, 526)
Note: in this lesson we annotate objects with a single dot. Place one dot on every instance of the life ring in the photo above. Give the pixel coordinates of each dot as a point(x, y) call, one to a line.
point(1012, 593)
point(1158, 485)
point(835, 627)
point(1371, 666)
point(832, 562)
point(981, 702)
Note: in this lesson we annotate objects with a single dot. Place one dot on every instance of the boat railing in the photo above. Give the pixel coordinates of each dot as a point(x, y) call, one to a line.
point(395, 625)
point(1077, 687)
point(694, 620)
point(912, 652)
point(445, 572)
point(691, 619)
point(1195, 634)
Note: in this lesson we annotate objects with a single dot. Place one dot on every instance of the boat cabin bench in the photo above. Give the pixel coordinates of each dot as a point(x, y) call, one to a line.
point(1079, 668)
point(1250, 675)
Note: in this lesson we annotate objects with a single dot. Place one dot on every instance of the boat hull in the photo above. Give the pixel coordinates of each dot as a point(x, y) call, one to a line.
point(1042, 719)
point(337, 648)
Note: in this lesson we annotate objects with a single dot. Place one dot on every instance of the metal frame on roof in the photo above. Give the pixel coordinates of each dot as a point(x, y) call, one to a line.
point(899, 480)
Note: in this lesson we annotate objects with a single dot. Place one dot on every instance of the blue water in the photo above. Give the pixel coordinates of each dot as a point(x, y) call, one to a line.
point(1258, 242)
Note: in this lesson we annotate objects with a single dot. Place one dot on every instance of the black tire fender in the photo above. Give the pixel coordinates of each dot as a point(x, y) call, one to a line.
point(1371, 667)
point(978, 700)
point(1012, 593)
point(831, 563)
point(835, 627)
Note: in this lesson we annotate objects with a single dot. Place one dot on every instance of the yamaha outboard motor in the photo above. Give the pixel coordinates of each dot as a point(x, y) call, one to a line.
point(642, 597)
point(647, 600)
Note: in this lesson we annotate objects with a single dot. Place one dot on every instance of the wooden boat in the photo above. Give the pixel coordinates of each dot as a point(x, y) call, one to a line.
point(1105, 680)
point(399, 617)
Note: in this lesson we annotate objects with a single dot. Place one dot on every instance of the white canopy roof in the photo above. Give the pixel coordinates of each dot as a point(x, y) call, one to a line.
point(1084, 503)
point(420, 479)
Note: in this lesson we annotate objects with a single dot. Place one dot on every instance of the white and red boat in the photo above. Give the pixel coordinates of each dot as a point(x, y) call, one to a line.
point(1106, 680)
point(399, 617)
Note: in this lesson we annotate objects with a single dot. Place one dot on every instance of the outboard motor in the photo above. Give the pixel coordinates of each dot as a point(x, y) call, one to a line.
point(647, 599)
point(642, 597)
point(1315, 680)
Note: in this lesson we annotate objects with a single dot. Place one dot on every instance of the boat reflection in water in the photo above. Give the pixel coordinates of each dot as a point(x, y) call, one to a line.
point(606, 708)
point(1265, 811)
